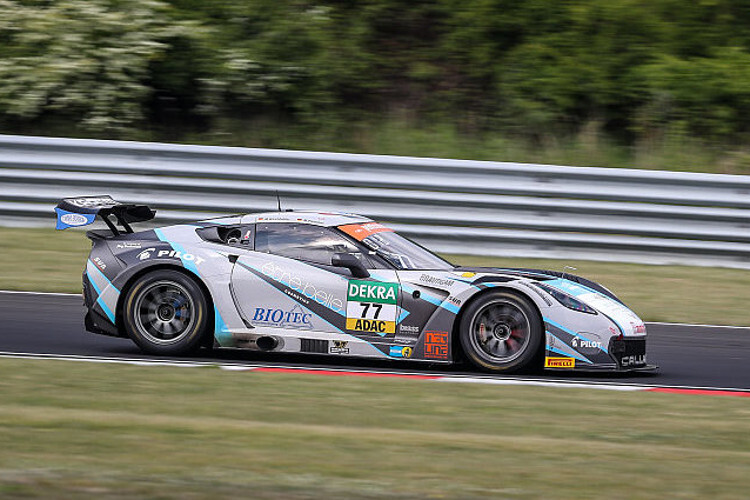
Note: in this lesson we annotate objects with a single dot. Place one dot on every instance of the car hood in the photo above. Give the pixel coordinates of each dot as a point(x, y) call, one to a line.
point(541, 275)
point(589, 292)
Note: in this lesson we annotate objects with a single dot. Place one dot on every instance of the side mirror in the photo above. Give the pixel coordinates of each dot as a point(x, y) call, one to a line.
point(350, 262)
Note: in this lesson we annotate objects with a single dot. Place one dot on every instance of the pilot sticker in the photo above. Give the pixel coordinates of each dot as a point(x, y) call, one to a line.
point(372, 307)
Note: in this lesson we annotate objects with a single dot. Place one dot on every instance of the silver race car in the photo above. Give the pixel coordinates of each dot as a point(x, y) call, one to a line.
point(337, 284)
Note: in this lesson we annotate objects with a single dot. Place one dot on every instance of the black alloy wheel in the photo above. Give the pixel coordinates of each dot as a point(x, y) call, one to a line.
point(166, 313)
point(501, 332)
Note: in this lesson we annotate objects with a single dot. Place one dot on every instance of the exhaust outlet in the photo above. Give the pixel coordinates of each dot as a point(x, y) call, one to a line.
point(267, 343)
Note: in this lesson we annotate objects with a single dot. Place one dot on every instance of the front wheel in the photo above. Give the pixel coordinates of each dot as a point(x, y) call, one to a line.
point(501, 332)
point(165, 313)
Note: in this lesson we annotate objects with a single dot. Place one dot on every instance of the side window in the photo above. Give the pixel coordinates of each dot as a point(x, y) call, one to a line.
point(238, 236)
point(247, 234)
point(303, 242)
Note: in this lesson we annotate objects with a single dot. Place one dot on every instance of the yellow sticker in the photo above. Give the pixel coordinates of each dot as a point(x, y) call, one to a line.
point(371, 325)
point(559, 362)
point(468, 275)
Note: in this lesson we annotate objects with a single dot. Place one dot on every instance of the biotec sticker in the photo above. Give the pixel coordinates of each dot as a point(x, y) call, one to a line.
point(372, 307)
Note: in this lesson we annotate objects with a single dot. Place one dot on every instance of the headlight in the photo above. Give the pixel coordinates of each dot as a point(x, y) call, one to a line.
point(566, 300)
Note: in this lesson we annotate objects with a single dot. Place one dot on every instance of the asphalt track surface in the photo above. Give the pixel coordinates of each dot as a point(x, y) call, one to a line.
point(688, 356)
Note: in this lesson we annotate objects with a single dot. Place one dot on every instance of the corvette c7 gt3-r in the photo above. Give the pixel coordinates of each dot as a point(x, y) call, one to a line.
point(337, 284)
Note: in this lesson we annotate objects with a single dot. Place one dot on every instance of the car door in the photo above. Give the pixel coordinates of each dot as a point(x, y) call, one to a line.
point(428, 296)
point(288, 284)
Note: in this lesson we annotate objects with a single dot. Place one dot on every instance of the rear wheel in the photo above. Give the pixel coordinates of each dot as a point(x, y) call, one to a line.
point(166, 313)
point(501, 332)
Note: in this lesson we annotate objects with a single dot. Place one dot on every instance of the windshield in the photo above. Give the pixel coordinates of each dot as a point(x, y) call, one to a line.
point(402, 253)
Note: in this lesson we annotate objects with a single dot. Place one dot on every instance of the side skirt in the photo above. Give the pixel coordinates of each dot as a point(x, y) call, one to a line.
point(332, 344)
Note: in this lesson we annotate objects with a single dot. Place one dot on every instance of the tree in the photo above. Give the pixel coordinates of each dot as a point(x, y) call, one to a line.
point(86, 60)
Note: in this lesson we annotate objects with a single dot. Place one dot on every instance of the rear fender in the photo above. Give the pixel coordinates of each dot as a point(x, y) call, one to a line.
point(131, 276)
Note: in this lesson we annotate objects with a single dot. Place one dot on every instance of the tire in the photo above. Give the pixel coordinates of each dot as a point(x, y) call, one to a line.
point(501, 332)
point(166, 313)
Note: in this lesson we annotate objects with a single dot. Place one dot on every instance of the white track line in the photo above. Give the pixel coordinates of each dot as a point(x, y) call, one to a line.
point(545, 383)
point(53, 294)
point(434, 377)
point(693, 325)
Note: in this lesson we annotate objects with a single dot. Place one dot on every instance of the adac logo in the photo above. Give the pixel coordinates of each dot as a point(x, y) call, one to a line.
point(146, 254)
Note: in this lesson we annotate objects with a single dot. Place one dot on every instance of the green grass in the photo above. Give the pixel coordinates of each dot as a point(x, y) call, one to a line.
point(42, 259)
point(52, 261)
point(672, 151)
point(76, 430)
point(591, 147)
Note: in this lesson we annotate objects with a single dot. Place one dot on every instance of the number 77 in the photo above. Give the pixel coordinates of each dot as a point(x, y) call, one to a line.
point(366, 308)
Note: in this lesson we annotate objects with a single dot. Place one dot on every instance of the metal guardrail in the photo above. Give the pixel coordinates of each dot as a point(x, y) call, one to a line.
point(456, 206)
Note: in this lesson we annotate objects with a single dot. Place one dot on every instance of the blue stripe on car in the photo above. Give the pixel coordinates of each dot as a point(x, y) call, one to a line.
point(569, 332)
point(570, 287)
point(569, 355)
point(99, 300)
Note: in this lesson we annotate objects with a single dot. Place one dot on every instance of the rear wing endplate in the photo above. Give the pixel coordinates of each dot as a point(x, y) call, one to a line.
point(81, 211)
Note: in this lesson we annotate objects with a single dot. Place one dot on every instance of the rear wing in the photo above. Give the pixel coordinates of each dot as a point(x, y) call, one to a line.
point(78, 212)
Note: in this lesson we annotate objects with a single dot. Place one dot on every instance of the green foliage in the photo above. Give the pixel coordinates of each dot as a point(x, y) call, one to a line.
point(710, 96)
point(541, 70)
point(88, 60)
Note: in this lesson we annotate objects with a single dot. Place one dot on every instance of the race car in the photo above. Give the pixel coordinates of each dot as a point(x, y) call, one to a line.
point(337, 284)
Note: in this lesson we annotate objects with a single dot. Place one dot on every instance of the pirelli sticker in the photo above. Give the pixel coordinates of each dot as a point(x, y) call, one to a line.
point(559, 362)
point(372, 307)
